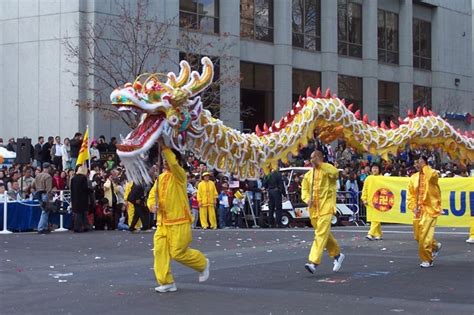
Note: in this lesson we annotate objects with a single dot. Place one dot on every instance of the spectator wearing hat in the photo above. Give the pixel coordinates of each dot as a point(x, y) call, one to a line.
point(43, 185)
point(206, 195)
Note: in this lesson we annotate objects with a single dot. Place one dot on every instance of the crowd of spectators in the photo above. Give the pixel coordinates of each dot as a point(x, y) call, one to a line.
point(113, 199)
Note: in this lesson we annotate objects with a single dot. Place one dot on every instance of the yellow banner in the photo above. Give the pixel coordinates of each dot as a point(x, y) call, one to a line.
point(387, 197)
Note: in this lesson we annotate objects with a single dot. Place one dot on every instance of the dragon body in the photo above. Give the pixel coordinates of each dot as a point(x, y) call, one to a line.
point(173, 111)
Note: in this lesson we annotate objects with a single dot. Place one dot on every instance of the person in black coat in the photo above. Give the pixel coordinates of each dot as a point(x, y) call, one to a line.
point(274, 184)
point(137, 198)
point(80, 199)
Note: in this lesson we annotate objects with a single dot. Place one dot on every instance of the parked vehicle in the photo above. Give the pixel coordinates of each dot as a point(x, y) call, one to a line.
point(295, 210)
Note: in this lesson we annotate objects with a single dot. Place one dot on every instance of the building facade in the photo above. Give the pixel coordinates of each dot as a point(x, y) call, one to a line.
point(385, 56)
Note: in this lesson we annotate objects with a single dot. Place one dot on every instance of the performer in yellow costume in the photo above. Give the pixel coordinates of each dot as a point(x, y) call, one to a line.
point(470, 240)
point(130, 206)
point(375, 232)
point(206, 196)
point(424, 199)
point(173, 234)
point(319, 192)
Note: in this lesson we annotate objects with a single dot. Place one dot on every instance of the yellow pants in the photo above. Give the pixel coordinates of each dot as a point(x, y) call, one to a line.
point(131, 212)
point(375, 229)
point(172, 242)
point(204, 214)
point(424, 229)
point(323, 239)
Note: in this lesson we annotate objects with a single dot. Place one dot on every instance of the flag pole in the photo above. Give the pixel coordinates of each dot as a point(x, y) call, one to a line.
point(88, 151)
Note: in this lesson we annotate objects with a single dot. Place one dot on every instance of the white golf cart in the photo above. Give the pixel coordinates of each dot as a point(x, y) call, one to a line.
point(295, 210)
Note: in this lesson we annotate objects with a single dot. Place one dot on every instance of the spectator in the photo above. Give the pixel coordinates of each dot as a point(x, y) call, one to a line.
point(11, 145)
point(15, 193)
point(194, 209)
point(66, 154)
point(43, 185)
point(80, 199)
point(94, 152)
point(46, 151)
point(138, 199)
point(113, 145)
point(57, 153)
point(38, 154)
point(102, 145)
point(223, 206)
point(59, 182)
point(26, 183)
point(2, 192)
point(104, 217)
point(75, 145)
point(2, 145)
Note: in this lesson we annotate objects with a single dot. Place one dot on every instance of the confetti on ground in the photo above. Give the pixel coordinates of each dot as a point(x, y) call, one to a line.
point(269, 251)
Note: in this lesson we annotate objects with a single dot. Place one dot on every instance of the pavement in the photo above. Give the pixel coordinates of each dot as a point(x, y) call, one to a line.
point(253, 271)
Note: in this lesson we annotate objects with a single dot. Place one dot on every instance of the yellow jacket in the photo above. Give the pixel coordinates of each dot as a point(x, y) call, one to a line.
point(108, 191)
point(365, 189)
point(430, 198)
point(173, 203)
point(324, 190)
point(128, 189)
point(206, 193)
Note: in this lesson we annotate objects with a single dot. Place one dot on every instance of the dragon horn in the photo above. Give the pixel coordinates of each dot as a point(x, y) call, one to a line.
point(199, 82)
point(184, 73)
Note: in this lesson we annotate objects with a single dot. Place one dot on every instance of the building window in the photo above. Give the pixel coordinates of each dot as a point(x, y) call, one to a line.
point(350, 89)
point(202, 15)
point(302, 79)
point(421, 96)
point(211, 96)
point(306, 24)
point(388, 102)
point(421, 44)
point(349, 28)
point(256, 95)
point(387, 36)
point(256, 19)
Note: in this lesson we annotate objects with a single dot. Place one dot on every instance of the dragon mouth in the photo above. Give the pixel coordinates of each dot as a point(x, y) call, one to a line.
point(143, 137)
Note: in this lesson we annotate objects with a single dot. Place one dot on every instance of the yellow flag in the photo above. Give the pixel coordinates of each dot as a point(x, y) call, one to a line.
point(84, 152)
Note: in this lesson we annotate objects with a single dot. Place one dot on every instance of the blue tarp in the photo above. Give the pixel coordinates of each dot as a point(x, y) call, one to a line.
point(25, 216)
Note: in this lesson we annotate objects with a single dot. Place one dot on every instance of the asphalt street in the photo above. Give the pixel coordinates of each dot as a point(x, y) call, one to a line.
point(256, 271)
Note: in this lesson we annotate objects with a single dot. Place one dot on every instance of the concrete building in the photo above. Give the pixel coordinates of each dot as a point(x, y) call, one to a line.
point(384, 56)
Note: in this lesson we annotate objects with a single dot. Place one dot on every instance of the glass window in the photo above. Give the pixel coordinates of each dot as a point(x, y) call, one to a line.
point(306, 24)
point(256, 95)
point(256, 19)
point(421, 44)
point(350, 89)
point(388, 102)
point(302, 79)
point(421, 96)
point(202, 15)
point(387, 35)
point(349, 28)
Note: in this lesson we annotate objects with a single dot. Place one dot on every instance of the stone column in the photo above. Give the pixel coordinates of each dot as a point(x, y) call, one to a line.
point(329, 58)
point(283, 58)
point(405, 29)
point(370, 59)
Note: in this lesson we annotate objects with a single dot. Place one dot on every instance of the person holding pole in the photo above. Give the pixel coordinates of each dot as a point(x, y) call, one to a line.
point(168, 198)
point(319, 193)
point(424, 199)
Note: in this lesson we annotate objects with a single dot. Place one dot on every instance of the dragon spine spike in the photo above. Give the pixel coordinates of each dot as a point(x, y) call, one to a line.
point(343, 101)
point(318, 93)
point(383, 125)
point(373, 123)
point(309, 93)
point(357, 114)
point(425, 112)
point(393, 125)
point(410, 114)
point(328, 93)
point(265, 127)
point(258, 132)
point(351, 107)
point(419, 111)
point(366, 119)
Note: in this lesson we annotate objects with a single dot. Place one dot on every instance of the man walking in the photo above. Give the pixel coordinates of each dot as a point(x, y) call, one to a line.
point(319, 192)
point(43, 185)
point(424, 199)
point(168, 198)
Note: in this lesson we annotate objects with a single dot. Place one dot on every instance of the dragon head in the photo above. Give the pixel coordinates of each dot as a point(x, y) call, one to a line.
point(170, 110)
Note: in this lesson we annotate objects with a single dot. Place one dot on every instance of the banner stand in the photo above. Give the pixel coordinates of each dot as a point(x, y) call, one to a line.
point(61, 217)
